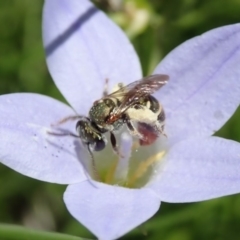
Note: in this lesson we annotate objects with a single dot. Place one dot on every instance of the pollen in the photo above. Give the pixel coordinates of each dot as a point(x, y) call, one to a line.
point(143, 167)
point(109, 179)
point(132, 180)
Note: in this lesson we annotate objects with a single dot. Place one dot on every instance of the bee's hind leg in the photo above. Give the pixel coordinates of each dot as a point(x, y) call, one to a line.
point(133, 130)
point(160, 129)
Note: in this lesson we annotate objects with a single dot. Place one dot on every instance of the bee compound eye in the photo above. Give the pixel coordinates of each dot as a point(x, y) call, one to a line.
point(99, 145)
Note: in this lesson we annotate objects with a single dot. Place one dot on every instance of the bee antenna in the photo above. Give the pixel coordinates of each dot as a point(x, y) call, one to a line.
point(96, 174)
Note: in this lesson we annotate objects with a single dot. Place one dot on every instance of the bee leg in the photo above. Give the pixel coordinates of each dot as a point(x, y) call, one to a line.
point(69, 118)
point(159, 125)
point(105, 90)
point(120, 85)
point(160, 128)
point(114, 144)
point(132, 128)
point(63, 134)
point(95, 172)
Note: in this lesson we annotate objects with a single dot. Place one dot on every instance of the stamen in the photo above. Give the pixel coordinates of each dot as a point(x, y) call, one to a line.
point(119, 168)
point(111, 172)
point(123, 161)
point(135, 146)
point(142, 168)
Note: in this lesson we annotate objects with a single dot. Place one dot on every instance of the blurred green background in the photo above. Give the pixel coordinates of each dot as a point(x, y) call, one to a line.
point(155, 27)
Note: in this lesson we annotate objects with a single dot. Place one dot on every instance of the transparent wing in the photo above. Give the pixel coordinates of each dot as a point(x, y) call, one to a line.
point(147, 85)
point(133, 92)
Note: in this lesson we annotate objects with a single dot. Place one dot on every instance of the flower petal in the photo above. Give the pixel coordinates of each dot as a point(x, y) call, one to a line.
point(199, 169)
point(110, 211)
point(84, 48)
point(25, 145)
point(204, 87)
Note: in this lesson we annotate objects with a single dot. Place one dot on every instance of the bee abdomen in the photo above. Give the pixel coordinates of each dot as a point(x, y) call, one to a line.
point(153, 104)
point(161, 116)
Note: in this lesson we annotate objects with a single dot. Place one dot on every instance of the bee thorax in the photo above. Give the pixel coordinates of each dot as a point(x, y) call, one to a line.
point(101, 110)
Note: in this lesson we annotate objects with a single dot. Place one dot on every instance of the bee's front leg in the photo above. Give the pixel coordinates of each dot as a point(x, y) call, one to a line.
point(105, 90)
point(63, 134)
point(66, 119)
point(114, 144)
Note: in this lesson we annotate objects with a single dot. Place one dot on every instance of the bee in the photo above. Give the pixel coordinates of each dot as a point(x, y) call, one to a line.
point(127, 105)
point(136, 104)
point(149, 132)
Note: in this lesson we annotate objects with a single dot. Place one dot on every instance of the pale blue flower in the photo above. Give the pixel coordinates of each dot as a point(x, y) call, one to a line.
point(83, 48)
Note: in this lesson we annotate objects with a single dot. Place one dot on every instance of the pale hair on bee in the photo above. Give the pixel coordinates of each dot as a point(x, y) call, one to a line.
point(128, 105)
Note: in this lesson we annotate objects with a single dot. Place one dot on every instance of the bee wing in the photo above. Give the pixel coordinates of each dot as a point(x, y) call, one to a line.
point(133, 92)
point(147, 85)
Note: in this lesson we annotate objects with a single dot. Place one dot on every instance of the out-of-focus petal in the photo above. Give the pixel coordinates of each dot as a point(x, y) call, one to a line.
point(199, 169)
point(204, 87)
point(25, 145)
point(110, 211)
point(83, 48)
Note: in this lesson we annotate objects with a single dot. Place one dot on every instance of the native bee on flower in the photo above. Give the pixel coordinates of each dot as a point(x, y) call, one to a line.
point(128, 105)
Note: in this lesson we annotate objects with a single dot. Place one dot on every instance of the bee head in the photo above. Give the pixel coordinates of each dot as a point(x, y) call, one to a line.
point(90, 135)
